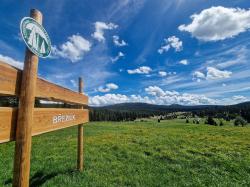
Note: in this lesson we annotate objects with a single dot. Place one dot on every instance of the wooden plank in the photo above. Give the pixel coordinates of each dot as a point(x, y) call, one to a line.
point(10, 80)
point(8, 118)
point(54, 92)
point(45, 120)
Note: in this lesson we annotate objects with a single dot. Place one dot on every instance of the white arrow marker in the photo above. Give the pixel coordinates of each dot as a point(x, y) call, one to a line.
point(33, 40)
point(42, 49)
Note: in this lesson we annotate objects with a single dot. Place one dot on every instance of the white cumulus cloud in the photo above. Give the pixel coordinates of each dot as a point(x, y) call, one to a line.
point(140, 70)
point(173, 42)
point(197, 76)
point(118, 42)
point(213, 74)
point(74, 49)
point(162, 73)
point(155, 91)
point(218, 23)
point(173, 97)
point(184, 62)
point(156, 95)
point(159, 96)
point(109, 99)
point(100, 27)
point(108, 87)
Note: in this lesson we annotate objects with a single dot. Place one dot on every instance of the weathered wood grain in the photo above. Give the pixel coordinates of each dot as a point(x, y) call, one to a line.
point(80, 136)
point(10, 80)
point(42, 121)
point(21, 171)
point(54, 92)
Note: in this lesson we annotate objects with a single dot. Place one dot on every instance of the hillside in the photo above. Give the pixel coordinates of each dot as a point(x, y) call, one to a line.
point(132, 111)
point(144, 107)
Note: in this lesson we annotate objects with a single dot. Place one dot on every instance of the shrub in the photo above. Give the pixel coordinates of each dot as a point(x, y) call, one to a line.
point(211, 121)
point(240, 121)
point(221, 123)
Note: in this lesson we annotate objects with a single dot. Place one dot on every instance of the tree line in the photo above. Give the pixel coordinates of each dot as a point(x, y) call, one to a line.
point(111, 115)
point(130, 114)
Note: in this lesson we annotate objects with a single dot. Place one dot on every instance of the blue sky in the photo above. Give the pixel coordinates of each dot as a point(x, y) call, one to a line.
point(161, 52)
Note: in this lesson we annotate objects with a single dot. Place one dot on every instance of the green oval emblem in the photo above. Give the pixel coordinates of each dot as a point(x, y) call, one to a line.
point(35, 37)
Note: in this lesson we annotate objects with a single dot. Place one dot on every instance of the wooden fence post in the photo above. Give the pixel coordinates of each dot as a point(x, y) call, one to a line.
point(80, 136)
point(25, 115)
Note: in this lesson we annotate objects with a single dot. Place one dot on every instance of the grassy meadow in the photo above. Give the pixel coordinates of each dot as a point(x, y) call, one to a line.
point(170, 153)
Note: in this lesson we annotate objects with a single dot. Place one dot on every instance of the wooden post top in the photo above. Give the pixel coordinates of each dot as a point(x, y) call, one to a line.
point(37, 15)
point(80, 85)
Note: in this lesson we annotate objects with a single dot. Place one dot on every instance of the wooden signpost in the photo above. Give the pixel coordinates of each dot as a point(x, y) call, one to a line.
point(80, 136)
point(21, 123)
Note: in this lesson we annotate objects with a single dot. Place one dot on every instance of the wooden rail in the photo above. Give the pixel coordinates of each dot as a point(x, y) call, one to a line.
point(44, 120)
point(10, 80)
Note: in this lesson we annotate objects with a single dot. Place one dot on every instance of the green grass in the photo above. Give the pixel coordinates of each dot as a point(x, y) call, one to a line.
point(170, 153)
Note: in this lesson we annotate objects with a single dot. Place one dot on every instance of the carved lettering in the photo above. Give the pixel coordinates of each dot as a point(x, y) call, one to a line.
point(63, 118)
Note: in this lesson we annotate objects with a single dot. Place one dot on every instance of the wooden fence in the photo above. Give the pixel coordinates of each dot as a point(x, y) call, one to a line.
point(21, 123)
point(45, 119)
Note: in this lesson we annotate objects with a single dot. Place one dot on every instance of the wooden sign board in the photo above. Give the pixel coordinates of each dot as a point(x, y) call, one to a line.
point(10, 81)
point(45, 120)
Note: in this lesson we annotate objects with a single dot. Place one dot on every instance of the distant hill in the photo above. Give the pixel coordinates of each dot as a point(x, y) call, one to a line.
point(144, 107)
point(132, 111)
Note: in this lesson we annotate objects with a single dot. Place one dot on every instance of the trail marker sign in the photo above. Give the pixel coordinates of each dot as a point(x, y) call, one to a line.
point(21, 123)
point(35, 37)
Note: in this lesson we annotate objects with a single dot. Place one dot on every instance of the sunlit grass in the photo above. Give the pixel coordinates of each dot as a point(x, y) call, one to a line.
point(170, 153)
